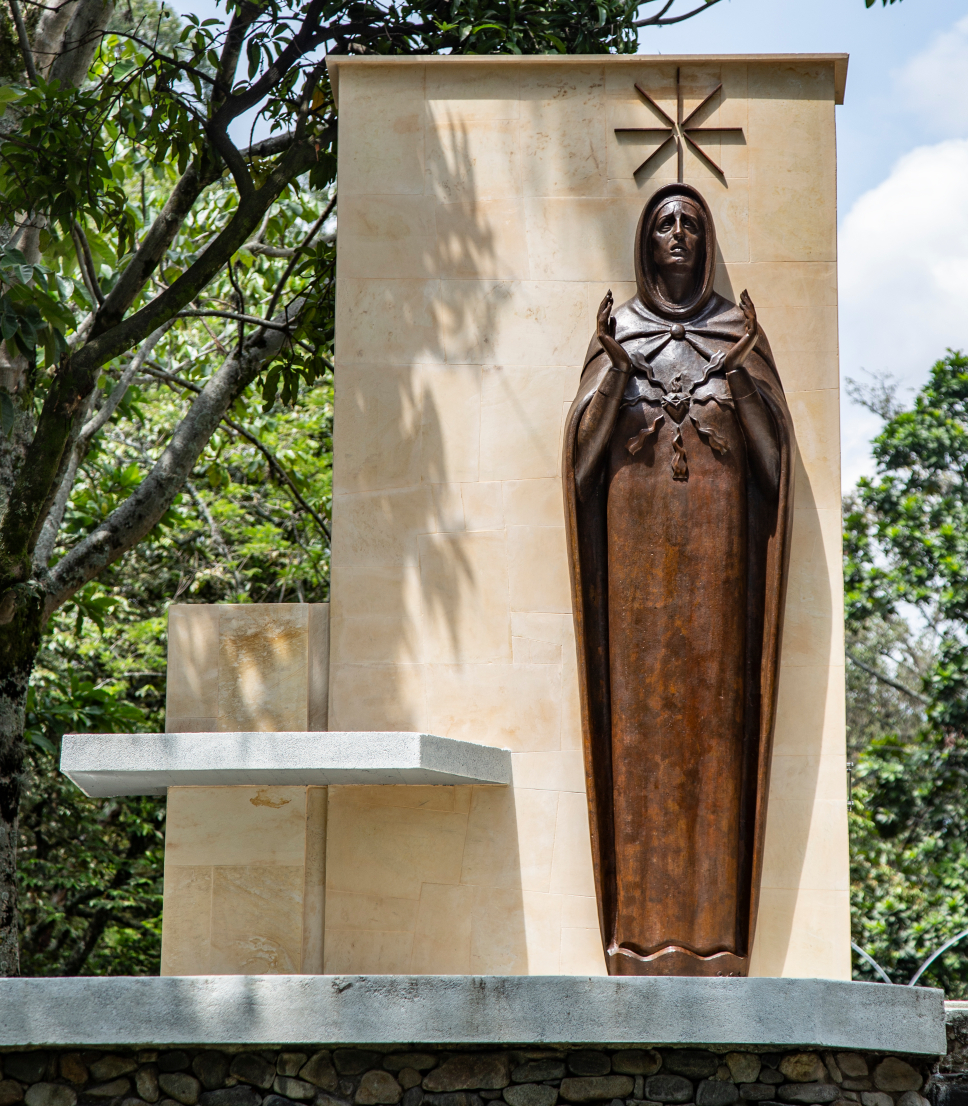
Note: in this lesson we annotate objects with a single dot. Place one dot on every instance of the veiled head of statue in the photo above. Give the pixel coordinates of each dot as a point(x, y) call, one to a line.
point(675, 252)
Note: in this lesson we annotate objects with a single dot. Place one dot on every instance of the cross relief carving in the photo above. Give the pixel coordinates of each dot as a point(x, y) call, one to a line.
point(679, 130)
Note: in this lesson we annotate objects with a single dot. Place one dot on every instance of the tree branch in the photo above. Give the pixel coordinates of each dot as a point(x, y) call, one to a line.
point(129, 523)
point(658, 21)
point(274, 462)
point(871, 671)
point(55, 516)
point(18, 22)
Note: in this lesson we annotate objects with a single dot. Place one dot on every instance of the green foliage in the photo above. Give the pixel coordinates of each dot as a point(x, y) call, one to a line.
point(90, 869)
point(906, 555)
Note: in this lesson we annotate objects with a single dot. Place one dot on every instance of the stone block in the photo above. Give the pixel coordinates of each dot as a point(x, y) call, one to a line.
point(808, 1092)
point(240, 1095)
point(636, 1061)
point(892, 1074)
point(211, 1069)
point(756, 1092)
point(146, 1083)
point(599, 1088)
point(714, 1092)
point(72, 1068)
point(10, 1092)
point(803, 1067)
point(181, 1087)
point(744, 1067)
point(27, 1067)
point(254, 1069)
point(694, 1063)
point(294, 1089)
point(117, 1088)
point(538, 1071)
point(378, 1088)
point(319, 1071)
point(110, 1067)
point(530, 1094)
point(853, 1065)
point(588, 1062)
point(668, 1088)
point(470, 1072)
point(422, 1061)
point(50, 1094)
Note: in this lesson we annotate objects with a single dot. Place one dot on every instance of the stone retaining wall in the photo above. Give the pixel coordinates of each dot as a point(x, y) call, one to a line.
point(431, 1076)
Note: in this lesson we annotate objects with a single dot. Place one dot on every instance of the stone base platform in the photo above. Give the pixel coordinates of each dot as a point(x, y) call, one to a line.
point(462, 1011)
point(466, 1041)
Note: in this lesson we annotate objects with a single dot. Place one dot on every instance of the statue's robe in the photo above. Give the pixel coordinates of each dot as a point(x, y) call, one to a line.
point(678, 559)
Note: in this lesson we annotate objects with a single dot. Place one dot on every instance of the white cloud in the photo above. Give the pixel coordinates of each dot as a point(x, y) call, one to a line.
point(903, 278)
point(932, 84)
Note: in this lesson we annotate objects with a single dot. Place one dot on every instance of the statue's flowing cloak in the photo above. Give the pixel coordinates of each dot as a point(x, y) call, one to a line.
point(715, 324)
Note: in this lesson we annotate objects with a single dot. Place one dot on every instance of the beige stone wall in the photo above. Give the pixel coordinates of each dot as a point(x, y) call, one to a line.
point(245, 866)
point(485, 207)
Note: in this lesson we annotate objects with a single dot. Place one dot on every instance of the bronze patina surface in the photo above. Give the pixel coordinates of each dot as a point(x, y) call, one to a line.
point(678, 475)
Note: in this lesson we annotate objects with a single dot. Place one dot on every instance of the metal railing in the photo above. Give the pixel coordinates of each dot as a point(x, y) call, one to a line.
point(912, 982)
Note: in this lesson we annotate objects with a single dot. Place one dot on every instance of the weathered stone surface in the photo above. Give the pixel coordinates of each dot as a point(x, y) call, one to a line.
point(852, 1065)
point(253, 1069)
point(50, 1094)
point(803, 1067)
point(319, 1071)
point(696, 1063)
point(240, 1095)
point(808, 1092)
point(770, 1075)
point(422, 1061)
point(876, 1098)
point(668, 1088)
point(410, 1077)
point(723, 1074)
point(180, 1086)
point(453, 1098)
point(530, 1094)
point(833, 1068)
point(598, 1088)
point(470, 1072)
point(912, 1098)
point(378, 1088)
point(10, 1092)
point(115, 1089)
point(275, 1100)
point(756, 1092)
point(636, 1061)
point(849, 1096)
point(175, 1060)
point(131, 1101)
point(211, 1068)
point(355, 1061)
point(296, 1089)
point(324, 1099)
point(27, 1067)
point(72, 1068)
point(586, 1061)
point(413, 1097)
point(537, 1071)
point(146, 1083)
point(892, 1074)
point(110, 1067)
point(857, 1085)
point(289, 1063)
point(744, 1067)
point(714, 1092)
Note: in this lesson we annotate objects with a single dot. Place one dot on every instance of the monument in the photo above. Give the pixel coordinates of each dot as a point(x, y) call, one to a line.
point(678, 474)
point(382, 882)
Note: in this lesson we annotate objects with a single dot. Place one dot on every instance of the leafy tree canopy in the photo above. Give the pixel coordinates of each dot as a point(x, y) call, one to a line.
point(906, 555)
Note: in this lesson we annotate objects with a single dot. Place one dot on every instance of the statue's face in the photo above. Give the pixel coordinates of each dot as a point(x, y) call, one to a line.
point(677, 239)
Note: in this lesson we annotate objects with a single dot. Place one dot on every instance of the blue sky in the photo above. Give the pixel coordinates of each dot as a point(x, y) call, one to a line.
point(902, 139)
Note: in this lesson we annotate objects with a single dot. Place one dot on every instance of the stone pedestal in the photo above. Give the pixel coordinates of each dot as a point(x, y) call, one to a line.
point(245, 866)
point(486, 204)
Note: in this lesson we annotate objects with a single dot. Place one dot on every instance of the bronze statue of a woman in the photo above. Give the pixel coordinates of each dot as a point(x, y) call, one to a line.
point(678, 473)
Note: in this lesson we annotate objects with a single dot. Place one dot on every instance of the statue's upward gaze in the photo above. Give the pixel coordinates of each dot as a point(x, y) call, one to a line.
point(678, 470)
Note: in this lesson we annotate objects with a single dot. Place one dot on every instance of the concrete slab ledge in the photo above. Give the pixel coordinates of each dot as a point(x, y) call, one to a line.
point(104, 765)
point(470, 1010)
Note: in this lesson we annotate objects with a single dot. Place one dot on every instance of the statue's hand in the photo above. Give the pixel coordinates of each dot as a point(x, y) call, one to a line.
point(606, 335)
point(738, 354)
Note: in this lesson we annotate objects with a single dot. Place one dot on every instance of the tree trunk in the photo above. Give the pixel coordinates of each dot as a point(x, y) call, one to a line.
point(21, 614)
